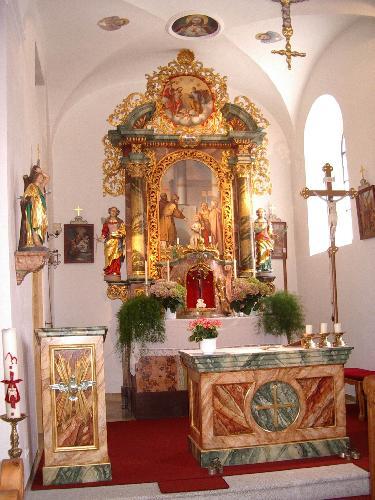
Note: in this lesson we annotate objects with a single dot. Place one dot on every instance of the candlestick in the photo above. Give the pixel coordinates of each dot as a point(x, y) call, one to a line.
point(323, 328)
point(146, 273)
point(235, 268)
point(337, 328)
point(168, 271)
point(15, 451)
point(309, 329)
point(12, 395)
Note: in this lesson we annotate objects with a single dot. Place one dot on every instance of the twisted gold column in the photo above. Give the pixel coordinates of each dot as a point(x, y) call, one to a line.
point(138, 219)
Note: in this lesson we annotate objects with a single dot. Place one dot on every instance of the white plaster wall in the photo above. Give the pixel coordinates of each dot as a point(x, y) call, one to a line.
point(347, 71)
point(21, 127)
point(79, 291)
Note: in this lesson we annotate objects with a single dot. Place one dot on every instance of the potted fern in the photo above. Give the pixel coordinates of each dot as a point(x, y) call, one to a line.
point(282, 314)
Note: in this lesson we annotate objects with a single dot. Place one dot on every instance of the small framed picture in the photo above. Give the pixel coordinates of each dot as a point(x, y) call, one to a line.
point(366, 212)
point(280, 239)
point(78, 243)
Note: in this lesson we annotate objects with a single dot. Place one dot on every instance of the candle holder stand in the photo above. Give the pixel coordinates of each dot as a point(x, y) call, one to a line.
point(339, 341)
point(323, 340)
point(308, 342)
point(14, 451)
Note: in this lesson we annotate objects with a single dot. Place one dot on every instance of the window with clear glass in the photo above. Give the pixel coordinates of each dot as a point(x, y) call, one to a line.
point(324, 142)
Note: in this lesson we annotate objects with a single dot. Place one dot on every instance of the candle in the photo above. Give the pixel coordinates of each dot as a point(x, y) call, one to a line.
point(309, 329)
point(168, 271)
point(235, 268)
point(12, 395)
point(146, 273)
point(337, 328)
point(323, 328)
point(178, 241)
point(210, 239)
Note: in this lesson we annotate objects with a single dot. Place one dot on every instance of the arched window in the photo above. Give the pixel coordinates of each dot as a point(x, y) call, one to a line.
point(325, 143)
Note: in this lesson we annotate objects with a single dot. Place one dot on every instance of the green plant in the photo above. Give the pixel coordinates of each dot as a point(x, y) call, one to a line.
point(282, 314)
point(141, 319)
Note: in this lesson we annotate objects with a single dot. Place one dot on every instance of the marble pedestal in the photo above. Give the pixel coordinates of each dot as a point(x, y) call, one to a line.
point(73, 397)
point(248, 405)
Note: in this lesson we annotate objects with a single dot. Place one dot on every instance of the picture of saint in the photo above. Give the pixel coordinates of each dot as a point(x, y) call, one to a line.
point(192, 218)
point(78, 243)
point(195, 26)
point(187, 100)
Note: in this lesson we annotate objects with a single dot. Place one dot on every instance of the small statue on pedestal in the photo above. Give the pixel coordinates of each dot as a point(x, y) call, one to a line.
point(113, 235)
point(34, 222)
point(264, 243)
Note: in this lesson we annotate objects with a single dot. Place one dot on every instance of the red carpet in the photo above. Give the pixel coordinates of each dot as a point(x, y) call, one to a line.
point(146, 451)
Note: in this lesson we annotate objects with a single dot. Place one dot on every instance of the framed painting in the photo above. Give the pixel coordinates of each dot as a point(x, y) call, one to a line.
point(366, 212)
point(78, 243)
point(280, 238)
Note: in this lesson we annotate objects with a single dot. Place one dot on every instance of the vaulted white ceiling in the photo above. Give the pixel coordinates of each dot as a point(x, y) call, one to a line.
point(81, 58)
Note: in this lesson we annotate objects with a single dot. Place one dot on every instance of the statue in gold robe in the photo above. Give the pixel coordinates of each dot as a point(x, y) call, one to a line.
point(34, 222)
point(264, 242)
point(113, 235)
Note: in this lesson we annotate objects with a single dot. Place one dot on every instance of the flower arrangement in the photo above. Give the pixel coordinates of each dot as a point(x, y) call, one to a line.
point(246, 294)
point(204, 328)
point(169, 293)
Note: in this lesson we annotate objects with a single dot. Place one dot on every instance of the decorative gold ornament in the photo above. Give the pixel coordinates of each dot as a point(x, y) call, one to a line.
point(135, 169)
point(245, 103)
point(114, 173)
point(260, 173)
point(155, 172)
point(122, 110)
point(117, 291)
point(189, 141)
point(185, 65)
point(287, 31)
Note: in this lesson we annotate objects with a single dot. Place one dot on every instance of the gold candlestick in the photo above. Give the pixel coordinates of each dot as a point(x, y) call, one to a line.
point(323, 340)
point(15, 451)
point(339, 342)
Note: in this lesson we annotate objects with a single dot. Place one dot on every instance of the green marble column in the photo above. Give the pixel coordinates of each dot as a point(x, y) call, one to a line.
point(245, 224)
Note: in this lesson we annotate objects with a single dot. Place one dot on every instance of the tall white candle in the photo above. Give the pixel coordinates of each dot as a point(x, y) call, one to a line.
point(178, 241)
point(323, 328)
point(210, 239)
point(309, 329)
point(234, 268)
point(10, 358)
point(168, 271)
point(146, 272)
point(337, 328)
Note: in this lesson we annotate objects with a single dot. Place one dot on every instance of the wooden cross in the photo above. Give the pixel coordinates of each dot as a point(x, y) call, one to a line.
point(329, 195)
point(78, 210)
point(287, 31)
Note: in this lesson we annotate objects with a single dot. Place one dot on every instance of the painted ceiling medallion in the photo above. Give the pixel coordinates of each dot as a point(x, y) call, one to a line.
point(112, 23)
point(269, 37)
point(194, 26)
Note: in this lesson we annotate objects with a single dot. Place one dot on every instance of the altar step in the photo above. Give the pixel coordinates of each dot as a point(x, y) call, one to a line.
point(316, 483)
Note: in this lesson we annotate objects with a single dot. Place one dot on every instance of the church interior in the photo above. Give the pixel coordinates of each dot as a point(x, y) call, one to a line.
point(178, 167)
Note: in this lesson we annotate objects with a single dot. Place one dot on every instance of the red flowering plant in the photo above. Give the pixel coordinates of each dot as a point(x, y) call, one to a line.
point(204, 328)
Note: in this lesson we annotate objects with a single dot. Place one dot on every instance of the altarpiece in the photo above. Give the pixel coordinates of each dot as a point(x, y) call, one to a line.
point(188, 162)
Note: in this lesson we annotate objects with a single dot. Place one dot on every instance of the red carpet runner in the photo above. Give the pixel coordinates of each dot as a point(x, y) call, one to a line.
point(146, 451)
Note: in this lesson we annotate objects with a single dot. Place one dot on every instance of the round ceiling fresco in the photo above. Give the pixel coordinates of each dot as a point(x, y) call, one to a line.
point(194, 26)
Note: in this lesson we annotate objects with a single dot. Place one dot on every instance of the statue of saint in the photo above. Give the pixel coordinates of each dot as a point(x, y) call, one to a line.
point(168, 211)
point(113, 235)
point(34, 222)
point(264, 242)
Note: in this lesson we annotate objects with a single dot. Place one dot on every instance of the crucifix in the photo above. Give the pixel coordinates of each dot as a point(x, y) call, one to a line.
point(331, 197)
point(78, 209)
point(287, 31)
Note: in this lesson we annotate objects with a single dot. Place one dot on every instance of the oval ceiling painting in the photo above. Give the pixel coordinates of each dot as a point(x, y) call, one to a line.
point(195, 26)
point(187, 100)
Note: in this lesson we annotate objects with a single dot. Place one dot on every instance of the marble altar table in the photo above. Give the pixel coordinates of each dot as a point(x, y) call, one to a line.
point(159, 387)
point(73, 397)
point(250, 405)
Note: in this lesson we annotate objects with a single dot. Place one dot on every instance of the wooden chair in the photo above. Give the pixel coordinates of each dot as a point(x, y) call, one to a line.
point(355, 376)
point(369, 388)
point(11, 480)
